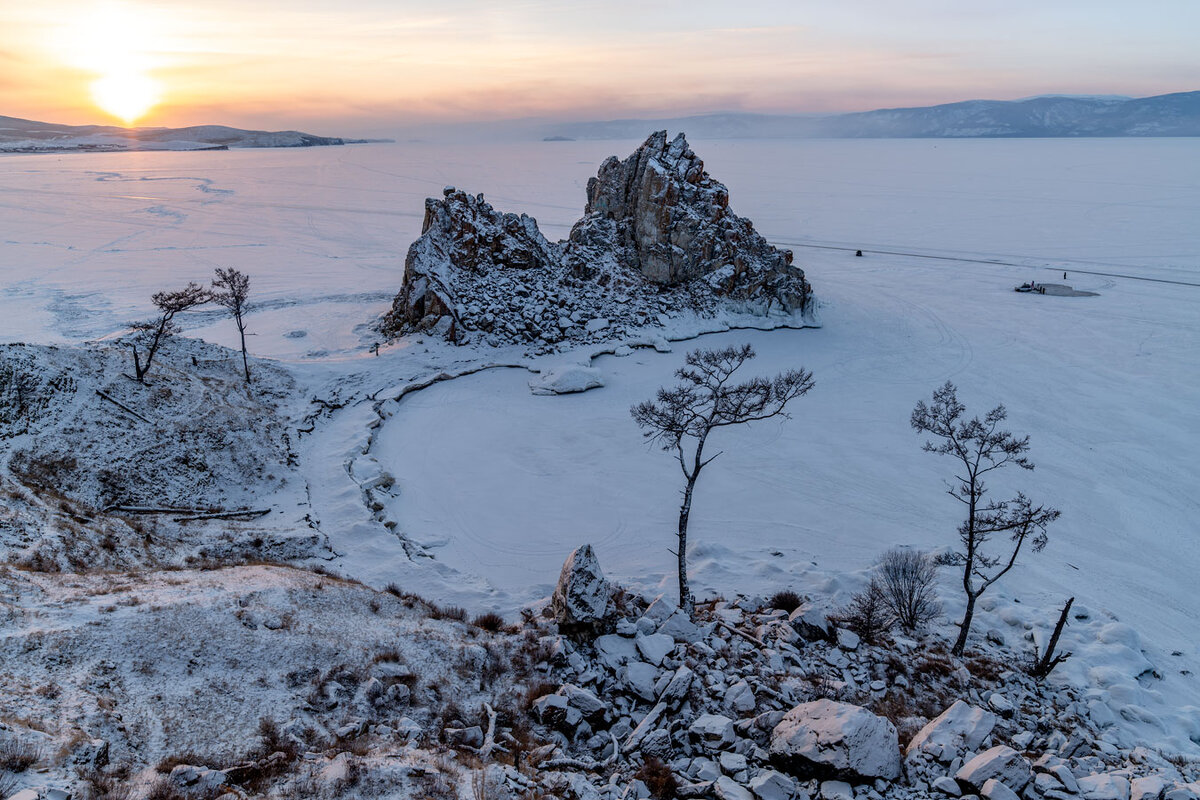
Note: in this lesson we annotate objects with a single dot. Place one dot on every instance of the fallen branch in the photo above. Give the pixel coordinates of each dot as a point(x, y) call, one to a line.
point(154, 510)
point(122, 406)
point(245, 512)
point(743, 634)
point(489, 739)
point(569, 763)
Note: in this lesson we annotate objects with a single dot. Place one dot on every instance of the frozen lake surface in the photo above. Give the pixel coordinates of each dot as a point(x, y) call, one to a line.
point(85, 239)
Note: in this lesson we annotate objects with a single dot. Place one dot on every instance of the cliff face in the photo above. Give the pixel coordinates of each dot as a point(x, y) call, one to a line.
point(658, 235)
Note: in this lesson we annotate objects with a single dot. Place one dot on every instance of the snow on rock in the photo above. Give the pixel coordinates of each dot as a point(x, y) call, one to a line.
point(581, 599)
point(843, 738)
point(959, 728)
point(657, 238)
point(658, 212)
point(1000, 762)
point(1105, 786)
point(995, 790)
point(566, 379)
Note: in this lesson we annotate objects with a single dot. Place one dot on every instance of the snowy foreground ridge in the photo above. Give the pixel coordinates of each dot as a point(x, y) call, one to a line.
point(440, 570)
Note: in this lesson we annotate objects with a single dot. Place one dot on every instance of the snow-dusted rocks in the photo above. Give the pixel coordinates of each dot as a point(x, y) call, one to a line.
point(713, 729)
point(659, 213)
point(1000, 762)
point(836, 737)
point(581, 598)
point(463, 240)
point(959, 728)
point(657, 238)
point(566, 379)
point(1105, 786)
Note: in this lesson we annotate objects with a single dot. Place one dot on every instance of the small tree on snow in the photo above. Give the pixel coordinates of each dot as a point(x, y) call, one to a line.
point(230, 289)
point(979, 448)
point(907, 578)
point(680, 420)
point(153, 332)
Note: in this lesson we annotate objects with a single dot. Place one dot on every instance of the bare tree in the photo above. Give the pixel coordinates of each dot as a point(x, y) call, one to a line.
point(154, 332)
point(906, 578)
point(980, 448)
point(230, 289)
point(680, 420)
point(1044, 664)
point(868, 614)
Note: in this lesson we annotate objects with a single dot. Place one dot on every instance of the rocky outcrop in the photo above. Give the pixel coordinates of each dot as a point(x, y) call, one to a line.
point(660, 214)
point(463, 241)
point(658, 239)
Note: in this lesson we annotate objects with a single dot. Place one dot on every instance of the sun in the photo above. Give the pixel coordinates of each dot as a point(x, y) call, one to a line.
point(126, 95)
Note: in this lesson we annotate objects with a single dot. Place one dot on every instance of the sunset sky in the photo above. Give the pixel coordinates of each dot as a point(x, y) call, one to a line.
point(360, 67)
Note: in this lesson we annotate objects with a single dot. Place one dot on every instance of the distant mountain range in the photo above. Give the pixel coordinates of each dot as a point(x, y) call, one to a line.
point(1048, 116)
point(28, 136)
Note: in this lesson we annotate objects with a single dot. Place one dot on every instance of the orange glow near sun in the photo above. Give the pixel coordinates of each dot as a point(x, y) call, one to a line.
point(120, 45)
point(126, 95)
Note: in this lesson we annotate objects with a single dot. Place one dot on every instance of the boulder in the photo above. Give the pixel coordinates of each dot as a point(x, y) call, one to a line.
point(677, 688)
point(836, 790)
point(582, 699)
point(772, 785)
point(639, 677)
point(581, 600)
point(656, 647)
point(995, 790)
point(1105, 786)
point(1149, 787)
point(947, 786)
point(714, 730)
point(958, 729)
point(1002, 763)
point(837, 738)
point(727, 788)
point(811, 622)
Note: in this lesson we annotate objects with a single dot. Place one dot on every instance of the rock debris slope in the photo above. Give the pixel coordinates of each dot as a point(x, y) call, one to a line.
point(657, 238)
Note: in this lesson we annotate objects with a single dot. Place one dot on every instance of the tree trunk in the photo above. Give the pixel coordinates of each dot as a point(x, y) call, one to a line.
point(245, 363)
point(964, 627)
point(686, 603)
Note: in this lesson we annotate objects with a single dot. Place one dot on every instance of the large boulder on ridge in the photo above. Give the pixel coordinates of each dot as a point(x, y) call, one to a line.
point(825, 737)
point(582, 598)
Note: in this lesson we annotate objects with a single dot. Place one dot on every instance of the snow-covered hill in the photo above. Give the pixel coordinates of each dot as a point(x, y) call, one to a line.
point(1043, 116)
point(29, 136)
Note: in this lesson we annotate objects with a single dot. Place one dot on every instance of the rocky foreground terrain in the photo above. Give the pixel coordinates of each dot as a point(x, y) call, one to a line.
point(269, 681)
point(658, 237)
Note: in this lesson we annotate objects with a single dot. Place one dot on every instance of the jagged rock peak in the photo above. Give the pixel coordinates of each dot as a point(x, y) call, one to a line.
point(462, 234)
point(668, 219)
